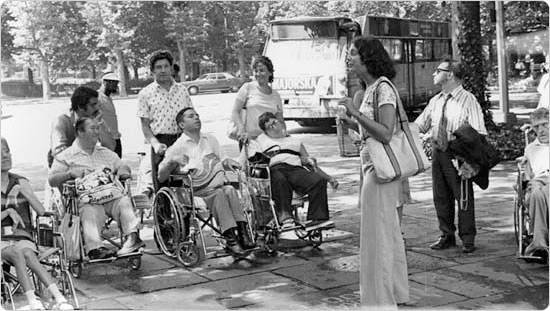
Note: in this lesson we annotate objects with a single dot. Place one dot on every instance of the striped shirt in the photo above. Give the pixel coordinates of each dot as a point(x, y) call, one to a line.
point(161, 106)
point(461, 108)
point(76, 158)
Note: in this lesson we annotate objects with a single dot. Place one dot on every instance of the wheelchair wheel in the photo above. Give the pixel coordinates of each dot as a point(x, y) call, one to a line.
point(316, 237)
point(167, 223)
point(301, 232)
point(135, 263)
point(75, 268)
point(517, 217)
point(188, 254)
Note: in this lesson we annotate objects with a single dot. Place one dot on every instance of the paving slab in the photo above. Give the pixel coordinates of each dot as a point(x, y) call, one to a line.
point(423, 295)
point(320, 275)
point(252, 289)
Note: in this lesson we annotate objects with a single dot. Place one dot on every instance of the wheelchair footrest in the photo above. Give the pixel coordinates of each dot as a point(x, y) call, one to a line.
point(141, 201)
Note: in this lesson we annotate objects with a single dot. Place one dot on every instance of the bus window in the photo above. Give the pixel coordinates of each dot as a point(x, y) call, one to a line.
point(419, 50)
point(428, 51)
point(394, 47)
point(441, 49)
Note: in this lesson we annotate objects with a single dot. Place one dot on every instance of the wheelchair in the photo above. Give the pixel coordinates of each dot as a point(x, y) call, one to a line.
point(51, 245)
point(180, 224)
point(69, 204)
point(264, 215)
point(522, 219)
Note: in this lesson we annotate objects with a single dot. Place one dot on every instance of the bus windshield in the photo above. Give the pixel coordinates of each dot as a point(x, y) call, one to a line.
point(306, 30)
point(307, 57)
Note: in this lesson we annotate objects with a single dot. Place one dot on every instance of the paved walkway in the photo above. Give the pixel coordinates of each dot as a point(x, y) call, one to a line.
point(301, 277)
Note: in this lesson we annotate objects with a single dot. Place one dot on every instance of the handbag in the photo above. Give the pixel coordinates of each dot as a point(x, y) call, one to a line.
point(70, 230)
point(403, 156)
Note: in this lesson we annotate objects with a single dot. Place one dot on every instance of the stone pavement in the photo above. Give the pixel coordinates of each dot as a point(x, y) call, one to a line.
point(301, 277)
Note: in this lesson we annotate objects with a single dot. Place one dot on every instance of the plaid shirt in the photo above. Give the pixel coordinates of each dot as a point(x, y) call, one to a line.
point(74, 158)
point(461, 108)
point(161, 106)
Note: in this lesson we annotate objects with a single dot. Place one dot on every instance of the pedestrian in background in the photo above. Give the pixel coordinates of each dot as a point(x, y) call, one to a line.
point(383, 268)
point(544, 86)
point(256, 98)
point(158, 105)
point(445, 112)
point(109, 134)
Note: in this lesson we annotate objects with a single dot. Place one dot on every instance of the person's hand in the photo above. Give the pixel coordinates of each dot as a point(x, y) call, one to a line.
point(526, 127)
point(467, 171)
point(242, 136)
point(159, 148)
point(77, 173)
point(231, 164)
point(351, 109)
point(310, 162)
point(16, 218)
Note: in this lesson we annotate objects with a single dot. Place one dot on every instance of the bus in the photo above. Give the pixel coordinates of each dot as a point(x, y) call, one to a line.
point(309, 58)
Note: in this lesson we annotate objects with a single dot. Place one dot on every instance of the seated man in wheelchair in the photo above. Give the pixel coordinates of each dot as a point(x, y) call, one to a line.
point(537, 173)
point(17, 245)
point(86, 156)
point(200, 152)
point(292, 169)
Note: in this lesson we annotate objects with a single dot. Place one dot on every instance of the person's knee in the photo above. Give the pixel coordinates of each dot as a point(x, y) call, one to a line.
point(29, 254)
point(13, 255)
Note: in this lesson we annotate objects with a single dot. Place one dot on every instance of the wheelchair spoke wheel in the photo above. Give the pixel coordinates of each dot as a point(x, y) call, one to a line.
point(316, 237)
point(188, 254)
point(167, 222)
point(75, 268)
point(517, 216)
point(301, 232)
point(135, 263)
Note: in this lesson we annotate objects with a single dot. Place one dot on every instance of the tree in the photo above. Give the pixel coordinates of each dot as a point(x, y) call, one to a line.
point(8, 47)
point(471, 53)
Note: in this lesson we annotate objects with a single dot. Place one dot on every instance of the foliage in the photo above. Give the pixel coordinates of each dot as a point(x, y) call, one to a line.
point(7, 48)
point(525, 16)
point(21, 88)
point(508, 139)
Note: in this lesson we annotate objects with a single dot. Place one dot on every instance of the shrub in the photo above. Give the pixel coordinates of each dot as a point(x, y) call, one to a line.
point(135, 85)
point(21, 88)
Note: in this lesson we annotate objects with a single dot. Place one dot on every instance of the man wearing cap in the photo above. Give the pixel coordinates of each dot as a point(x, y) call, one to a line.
point(109, 134)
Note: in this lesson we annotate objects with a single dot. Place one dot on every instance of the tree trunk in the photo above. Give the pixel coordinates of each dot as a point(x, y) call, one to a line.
point(470, 45)
point(136, 74)
point(122, 76)
point(46, 92)
point(182, 51)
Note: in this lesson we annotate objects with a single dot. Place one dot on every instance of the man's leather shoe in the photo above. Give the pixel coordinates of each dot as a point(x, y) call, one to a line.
point(101, 253)
point(468, 248)
point(444, 242)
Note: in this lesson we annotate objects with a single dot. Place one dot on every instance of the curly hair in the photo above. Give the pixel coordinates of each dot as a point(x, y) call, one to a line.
point(375, 57)
point(267, 62)
point(158, 55)
point(81, 97)
point(264, 118)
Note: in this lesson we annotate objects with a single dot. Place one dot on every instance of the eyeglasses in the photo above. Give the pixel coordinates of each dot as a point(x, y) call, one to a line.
point(438, 70)
point(272, 124)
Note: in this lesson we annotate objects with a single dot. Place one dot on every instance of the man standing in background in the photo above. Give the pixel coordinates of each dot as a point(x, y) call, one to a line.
point(109, 134)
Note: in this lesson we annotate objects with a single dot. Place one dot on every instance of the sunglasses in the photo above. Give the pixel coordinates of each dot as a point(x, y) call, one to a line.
point(438, 70)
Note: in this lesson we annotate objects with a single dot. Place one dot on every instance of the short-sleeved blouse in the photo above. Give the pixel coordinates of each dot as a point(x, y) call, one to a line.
point(257, 103)
point(385, 95)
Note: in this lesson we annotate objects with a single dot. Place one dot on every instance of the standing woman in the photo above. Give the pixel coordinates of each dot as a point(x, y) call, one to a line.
point(256, 97)
point(383, 270)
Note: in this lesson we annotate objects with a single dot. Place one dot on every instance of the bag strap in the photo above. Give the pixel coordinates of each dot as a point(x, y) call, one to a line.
point(401, 114)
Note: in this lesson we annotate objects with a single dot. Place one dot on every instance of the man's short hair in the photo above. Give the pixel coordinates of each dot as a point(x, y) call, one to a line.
point(158, 55)
point(455, 67)
point(80, 124)
point(539, 113)
point(81, 97)
point(179, 116)
point(264, 118)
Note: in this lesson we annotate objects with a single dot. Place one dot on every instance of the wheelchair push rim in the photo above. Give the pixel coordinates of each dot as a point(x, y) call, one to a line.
point(168, 224)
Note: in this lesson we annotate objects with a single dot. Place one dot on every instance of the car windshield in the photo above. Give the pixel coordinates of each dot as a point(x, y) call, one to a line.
point(203, 77)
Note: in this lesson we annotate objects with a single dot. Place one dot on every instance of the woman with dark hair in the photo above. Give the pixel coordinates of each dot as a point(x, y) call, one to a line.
point(383, 270)
point(256, 97)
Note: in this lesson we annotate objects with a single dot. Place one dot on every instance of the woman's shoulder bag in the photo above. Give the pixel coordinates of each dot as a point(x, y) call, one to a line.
point(403, 156)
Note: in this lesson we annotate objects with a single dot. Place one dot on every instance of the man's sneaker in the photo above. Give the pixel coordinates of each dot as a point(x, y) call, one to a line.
point(319, 224)
point(35, 305)
point(63, 305)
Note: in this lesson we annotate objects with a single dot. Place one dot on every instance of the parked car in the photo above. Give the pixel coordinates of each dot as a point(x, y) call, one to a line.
point(216, 81)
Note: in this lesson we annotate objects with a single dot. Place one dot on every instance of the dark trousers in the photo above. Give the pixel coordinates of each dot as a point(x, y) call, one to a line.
point(168, 140)
point(446, 190)
point(285, 178)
